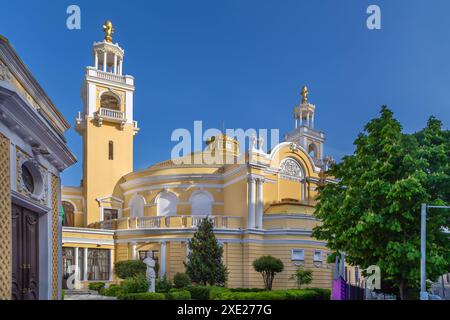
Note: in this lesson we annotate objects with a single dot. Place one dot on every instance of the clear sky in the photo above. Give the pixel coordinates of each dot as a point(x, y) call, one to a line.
point(243, 62)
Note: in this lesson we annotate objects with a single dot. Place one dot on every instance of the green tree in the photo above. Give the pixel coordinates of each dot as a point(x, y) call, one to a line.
point(205, 263)
point(372, 213)
point(268, 266)
point(302, 276)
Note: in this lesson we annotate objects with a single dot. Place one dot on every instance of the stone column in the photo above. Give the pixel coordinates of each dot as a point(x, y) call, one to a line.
point(307, 120)
point(115, 64)
point(96, 60)
point(77, 273)
point(133, 251)
point(105, 59)
point(85, 264)
point(120, 66)
point(259, 207)
point(162, 264)
point(251, 203)
point(111, 264)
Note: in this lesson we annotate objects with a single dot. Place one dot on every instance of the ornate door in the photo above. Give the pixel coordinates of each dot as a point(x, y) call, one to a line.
point(25, 253)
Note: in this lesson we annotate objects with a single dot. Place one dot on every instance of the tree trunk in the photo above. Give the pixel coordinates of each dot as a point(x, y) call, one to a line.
point(403, 291)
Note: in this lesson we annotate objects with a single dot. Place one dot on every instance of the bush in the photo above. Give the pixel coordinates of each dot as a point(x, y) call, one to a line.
point(246, 289)
point(268, 266)
point(181, 280)
point(200, 292)
point(216, 291)
point(112, 291)
point(302, 276)
point(295, 294)
point(142, 296)
point(129, 268)
point(138, 284)
point(96, 286)
point(163, 285)
point(176, 294)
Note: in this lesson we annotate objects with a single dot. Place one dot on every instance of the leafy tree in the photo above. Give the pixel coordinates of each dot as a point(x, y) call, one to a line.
point(181, 280)
point(302, 276)
point(268, 266)
point(205, 263)
point(372, 213)
point(129, 268)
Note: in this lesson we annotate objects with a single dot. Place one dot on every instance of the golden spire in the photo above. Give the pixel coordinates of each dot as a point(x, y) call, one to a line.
point(304, 93)
point(109, 30)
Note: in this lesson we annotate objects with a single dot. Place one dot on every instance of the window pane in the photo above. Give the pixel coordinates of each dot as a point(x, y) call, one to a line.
point(110, 214)
point(98, 264)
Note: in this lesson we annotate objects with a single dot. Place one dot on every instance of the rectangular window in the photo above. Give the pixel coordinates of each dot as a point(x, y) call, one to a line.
point(98, 264)
point(111, 150)
point(317, 256)
point(298, 255)
point(109, 214)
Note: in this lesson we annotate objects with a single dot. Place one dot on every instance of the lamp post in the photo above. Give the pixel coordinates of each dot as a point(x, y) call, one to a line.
point(423, 234)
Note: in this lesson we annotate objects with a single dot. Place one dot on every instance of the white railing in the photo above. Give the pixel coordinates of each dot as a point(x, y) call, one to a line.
point(111, 114)
point(174, 222)
point(110, 76)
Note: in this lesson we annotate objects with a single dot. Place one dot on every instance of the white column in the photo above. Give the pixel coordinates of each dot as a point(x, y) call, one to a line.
point(105, 56)
point(96, 60)
point(85, 264)
point(162, 264)
point(312, 120)
point(120, 66)
point(296, 122)
point(133, 251)
point(301, 118)
point(115, 64)
point(307, 120)
point(77, 273)
point(259, 207)
point(111, 264)
point(251, 203)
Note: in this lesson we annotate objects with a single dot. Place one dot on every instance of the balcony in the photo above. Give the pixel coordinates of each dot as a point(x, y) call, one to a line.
point(170, 222)
point(110, 115)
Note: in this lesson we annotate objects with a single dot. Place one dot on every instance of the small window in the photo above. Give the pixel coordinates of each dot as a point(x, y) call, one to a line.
point(111, 150)
point(298, 255)
point(109, 214)
point(317, 256)
point(27, 179)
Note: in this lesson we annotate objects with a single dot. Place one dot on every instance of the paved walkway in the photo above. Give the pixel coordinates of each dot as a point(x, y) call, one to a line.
point(87, 297)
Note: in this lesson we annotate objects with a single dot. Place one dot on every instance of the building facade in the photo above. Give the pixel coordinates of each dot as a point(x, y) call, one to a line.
point(261, 204)
point(33, 152)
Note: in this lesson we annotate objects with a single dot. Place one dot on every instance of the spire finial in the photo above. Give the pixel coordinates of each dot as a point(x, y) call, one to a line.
point(109, 30)
point(304, 93)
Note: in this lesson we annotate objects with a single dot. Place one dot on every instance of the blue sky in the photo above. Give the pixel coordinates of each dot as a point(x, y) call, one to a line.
point(242, 63)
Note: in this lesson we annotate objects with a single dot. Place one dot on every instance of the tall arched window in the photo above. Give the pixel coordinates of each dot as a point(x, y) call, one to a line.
point(312, 150)
point(201, 202)
point(109, 101)
point(69, 215)
point(166, 204)
point(137, 206)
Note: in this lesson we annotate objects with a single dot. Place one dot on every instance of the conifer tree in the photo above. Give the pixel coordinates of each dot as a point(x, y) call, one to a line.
point(205, 265)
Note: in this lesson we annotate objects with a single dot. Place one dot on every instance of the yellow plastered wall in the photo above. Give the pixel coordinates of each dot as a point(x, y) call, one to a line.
point(176, 255)
point(101, 175)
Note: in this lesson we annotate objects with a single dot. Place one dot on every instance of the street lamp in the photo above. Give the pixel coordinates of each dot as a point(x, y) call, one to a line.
point(423, 234)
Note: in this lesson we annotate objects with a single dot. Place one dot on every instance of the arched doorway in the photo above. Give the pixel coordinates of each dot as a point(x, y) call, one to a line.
point(69, 214)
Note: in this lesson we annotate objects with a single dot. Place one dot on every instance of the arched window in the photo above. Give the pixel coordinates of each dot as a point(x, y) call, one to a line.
point(201, 202)
point(137, 206)
point(166, 204)
point(69, 216)
point(312, 150)
point(109, 101)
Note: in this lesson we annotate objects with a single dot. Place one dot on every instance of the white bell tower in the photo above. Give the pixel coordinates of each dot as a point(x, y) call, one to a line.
point(304, 134)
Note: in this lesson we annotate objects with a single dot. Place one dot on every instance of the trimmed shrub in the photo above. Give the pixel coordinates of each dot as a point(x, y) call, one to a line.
point(142, 296)
point(181, 280)
point(215, 291)
point(176, 294)
point(163, 285)
point(268, 266)
point(199, 292)
point(96, 286)
point(246, 289)
point(138, 284)
point(112, 291)
point(295, 294)
point(129, 268)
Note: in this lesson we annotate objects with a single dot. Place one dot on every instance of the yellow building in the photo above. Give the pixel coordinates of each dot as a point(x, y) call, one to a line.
point(262, 205)
point(33, 152)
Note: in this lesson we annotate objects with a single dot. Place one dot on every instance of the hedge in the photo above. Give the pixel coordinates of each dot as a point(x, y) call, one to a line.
point(138, 284)
point(97, 286)
point(142, 296)
point(181, 280)
point(176, 294)
point(199, 292)
point(295, 294)
point(112, 291)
